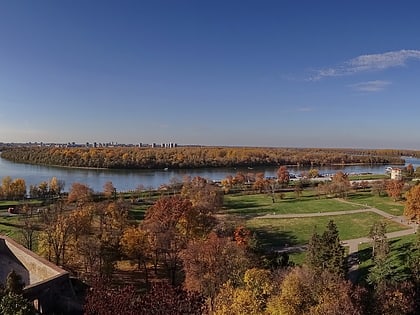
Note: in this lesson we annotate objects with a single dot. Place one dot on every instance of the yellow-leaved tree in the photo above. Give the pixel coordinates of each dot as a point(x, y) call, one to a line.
point(412, 204)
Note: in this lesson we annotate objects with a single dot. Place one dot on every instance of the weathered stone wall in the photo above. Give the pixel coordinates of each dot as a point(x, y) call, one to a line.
point(45, 283)
point(9, 262)
point(39, 268)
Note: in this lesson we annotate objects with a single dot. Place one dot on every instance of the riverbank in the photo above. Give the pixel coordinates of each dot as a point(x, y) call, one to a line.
point(129, 180)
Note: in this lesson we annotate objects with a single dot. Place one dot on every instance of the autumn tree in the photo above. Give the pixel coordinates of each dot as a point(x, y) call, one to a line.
point(409, 170)
point(43, 189)
point(80, 193)
point(170, 222)
point(116, 216)
point(227, 183)
point(283, 176)
point(298, 189)
point(6, 188)
point(242, 236)
point(113, 219)
point(121, 300)
point(313, 173)
point(135, 244)
point(18, 189)
point(110, 190)
point(204, 196)
point(321, 189)
point(160, 299)
point(260, 182)
point(54, 239)
point(248, 298)
point(305, 291)
point(412, 204)
point(394, 188)
point(396, 298)
point(379, 187)
point(81, 220)
point(163, 298)
point(62, 231)
point(340, 184)
point(56, 186)
point(28, 228)
point(204, 261)
point(89, 252)
point(239, 180)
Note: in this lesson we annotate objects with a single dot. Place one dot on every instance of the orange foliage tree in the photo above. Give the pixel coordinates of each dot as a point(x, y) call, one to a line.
point(412, 204)
point(394, 188)
point(211, 262)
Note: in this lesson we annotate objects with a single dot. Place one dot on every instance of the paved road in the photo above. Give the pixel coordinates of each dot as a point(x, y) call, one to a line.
point(353, 244)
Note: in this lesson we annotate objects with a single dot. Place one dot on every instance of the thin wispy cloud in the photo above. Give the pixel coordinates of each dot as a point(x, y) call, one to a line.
point(370, 86)
point(365, 63)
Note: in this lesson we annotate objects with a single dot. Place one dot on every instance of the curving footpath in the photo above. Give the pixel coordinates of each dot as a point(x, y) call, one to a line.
point(352, 244)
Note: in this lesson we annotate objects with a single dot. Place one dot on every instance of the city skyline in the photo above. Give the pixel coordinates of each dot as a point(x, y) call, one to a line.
point(216, 73)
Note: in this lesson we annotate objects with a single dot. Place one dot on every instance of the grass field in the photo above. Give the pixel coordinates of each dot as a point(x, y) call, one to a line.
point(278, 232)
point(137, 212)
point(9, 226)
point(368, 177)
point(260, 204)
point(382, 203)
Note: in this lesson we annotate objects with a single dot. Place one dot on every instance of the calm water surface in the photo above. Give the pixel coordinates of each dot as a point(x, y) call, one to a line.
point(125, 180)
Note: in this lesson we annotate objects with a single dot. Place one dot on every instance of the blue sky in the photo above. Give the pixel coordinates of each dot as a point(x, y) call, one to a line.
point(253, 73)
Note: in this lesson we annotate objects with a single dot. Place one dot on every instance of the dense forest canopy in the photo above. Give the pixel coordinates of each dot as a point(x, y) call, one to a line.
point(197, 157)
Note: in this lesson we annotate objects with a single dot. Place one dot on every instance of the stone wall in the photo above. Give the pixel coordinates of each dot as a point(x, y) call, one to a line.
point(45, 283)
point(39, 268)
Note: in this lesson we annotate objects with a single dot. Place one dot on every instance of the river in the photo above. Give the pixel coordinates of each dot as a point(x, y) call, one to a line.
point(126, 180)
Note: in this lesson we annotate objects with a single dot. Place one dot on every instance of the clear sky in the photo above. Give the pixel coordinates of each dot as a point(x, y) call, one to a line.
point(253, 73)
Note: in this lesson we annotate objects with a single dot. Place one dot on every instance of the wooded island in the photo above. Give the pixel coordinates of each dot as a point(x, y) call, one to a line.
point(197, 157)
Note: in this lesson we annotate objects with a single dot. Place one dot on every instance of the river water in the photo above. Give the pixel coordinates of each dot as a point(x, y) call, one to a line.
point(126, 180)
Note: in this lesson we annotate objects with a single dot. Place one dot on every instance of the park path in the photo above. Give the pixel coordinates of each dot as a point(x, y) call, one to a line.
point(352, 244)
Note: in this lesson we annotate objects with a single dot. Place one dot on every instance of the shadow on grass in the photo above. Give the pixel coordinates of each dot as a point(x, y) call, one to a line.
point(362, 272)
point(15, 225)
point(270, 240)
point(240, 204)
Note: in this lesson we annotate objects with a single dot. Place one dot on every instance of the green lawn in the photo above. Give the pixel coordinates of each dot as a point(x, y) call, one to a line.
point(8, 203)
point(9, 226)
point(297, 258)
point(278, 232)
point(137, 212)
point(368, 177)
point(260, 204)
point(382, 203)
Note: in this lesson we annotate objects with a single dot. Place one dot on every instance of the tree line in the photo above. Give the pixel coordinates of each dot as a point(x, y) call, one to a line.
point(16, 189)
point(196, 157)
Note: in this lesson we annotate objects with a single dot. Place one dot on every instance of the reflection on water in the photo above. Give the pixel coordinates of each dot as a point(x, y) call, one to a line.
point(125, 180)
